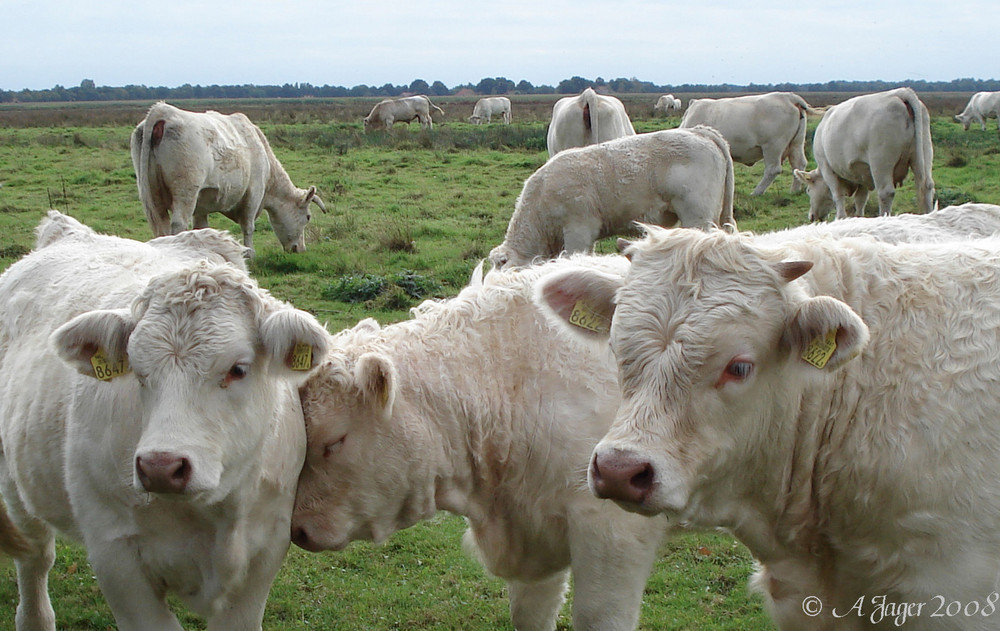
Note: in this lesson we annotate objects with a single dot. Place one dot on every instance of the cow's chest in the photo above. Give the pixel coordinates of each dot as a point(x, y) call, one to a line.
point(519, 545)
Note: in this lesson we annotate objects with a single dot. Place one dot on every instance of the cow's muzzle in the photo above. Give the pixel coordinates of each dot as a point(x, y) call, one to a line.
point(163, 472)
point(621, 476)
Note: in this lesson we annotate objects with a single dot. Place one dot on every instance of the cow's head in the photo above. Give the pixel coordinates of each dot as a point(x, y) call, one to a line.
point(211, 356)
point(290, 216)
point(369, 464)
point(709, 334)
point(965, 119)
point(820, 197)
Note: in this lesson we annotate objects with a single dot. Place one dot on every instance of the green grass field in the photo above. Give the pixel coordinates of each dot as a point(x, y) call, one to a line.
point(419, 210)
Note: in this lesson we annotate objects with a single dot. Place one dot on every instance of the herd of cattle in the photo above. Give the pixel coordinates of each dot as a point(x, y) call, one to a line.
point(826, 393)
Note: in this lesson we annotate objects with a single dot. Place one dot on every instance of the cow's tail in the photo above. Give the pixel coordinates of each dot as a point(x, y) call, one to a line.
point(923, 150)
point(439, 110)
point(804, 107)
point(146, 136)
point(726, 220)
point(12, 542)
point(591, 116)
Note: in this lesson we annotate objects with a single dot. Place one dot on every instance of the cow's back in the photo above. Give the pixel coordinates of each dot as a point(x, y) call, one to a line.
point(748, 122)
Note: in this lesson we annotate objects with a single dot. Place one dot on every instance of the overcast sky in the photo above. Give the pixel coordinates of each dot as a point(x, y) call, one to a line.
point(230, 42)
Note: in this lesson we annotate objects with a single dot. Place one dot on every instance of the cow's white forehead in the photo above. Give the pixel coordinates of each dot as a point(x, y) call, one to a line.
point(687, 287)
point(198, 315)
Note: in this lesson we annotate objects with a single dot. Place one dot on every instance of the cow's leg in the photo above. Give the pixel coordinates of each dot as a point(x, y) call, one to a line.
point(839, 195)
point(580, 237)
point(612, 556)
point(200, 221)
point(183, 214)
point(797, 161)
point(860, 201)
point(34, 609)
point(535, 605)
point(885, 189)
point(159, 221)
point(772, 169)
point(246, 606)
point(136, 605)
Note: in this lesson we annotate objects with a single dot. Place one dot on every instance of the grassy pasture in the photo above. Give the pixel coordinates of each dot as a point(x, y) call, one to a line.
point(418, 211)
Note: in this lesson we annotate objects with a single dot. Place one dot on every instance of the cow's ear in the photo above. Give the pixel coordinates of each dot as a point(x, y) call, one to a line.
point(294, 340)
point(375, 375)
point(582, 300)
point(95, 341)
point(826, 333)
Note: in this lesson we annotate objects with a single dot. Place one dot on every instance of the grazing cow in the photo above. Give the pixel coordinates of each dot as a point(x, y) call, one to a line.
point(674, 176)
point(191, 164)
point(832, 402)
point(586, 119)
point(398, 428)
point(487, 106)
point(667, 103)
point(769, 126)
point(402, 110)
point(867, 143)
point(981, 106)
point(149, 408)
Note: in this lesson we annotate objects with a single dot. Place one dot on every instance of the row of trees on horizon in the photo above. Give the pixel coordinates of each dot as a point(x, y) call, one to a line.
point(89, 91)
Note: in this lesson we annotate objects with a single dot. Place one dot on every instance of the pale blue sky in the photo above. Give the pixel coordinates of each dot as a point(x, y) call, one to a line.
point(172, 42)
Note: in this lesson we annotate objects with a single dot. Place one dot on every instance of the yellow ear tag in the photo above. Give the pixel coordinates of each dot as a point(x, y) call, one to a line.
point(302, 356)
point(105, 370)
point(586, 318)
point(820, 350)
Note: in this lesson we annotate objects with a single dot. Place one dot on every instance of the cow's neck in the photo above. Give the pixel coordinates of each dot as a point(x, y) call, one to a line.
point(476, 414)
point(279, 186)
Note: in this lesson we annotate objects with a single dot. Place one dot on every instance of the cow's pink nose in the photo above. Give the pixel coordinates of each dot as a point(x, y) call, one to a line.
point(621, 476)
point(163, 472)
point(301, 538)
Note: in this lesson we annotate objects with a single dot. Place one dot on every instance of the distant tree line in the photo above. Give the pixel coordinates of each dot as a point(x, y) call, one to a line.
point(89, 91)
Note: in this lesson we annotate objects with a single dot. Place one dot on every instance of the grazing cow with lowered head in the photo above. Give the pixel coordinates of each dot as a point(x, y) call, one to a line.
point(674, 176)
point(149, 408)
point(769, 126)
point(487, 106)
point(586, 119)
point(870, 142)
point(981, 106)
point(399, 428)
point(832, 402)
point(402, 110)
point(191, 164)
point(666, 104)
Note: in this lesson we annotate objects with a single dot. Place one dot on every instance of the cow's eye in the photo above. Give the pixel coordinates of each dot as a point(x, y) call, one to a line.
point(237, 372)
point(333, 447)
point(736, 371)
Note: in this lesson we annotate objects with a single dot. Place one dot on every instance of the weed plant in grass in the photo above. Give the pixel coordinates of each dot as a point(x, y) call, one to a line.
point(417, 212)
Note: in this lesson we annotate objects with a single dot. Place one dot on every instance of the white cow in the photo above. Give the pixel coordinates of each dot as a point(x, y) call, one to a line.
point(832, 402)
point(192, 164)
point(402, 110)
point(867, 143)
point(667, 103)
point(148, 408)
point(487, 106)
point(769, 126)
point(586, 119)
point(674, 176)
point(981, 106)
point(399, 427)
